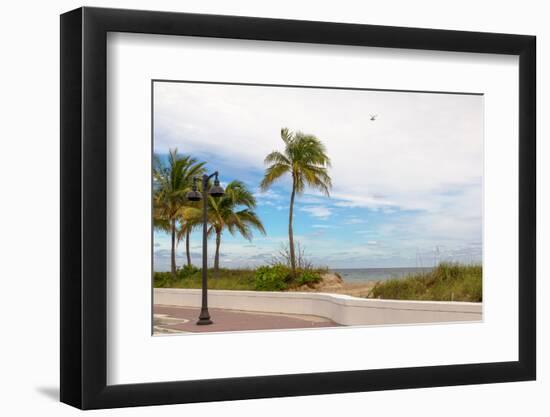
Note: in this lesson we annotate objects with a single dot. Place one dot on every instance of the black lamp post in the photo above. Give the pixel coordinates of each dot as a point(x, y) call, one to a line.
point(215, 191)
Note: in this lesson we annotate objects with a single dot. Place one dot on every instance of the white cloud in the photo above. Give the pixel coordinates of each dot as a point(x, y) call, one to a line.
point(322, 226)
point(364, 232)
point(268, 194)
point(312, 199)
point(320, 212)
point(421, 143)
point(359, 200)
point(354, 220)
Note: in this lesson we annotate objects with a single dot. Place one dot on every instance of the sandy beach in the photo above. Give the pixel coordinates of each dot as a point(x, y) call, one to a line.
point(333, 283)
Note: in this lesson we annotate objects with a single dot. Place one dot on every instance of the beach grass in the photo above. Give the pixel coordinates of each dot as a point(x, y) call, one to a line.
point(447, 282)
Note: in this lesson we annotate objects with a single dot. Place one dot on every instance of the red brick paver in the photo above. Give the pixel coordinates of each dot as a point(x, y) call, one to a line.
point(170, 319)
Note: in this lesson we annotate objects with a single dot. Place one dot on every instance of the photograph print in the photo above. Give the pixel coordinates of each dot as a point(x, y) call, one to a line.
point(296, 207)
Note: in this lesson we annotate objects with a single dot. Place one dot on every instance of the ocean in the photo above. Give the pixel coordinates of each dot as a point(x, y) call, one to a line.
point(348, 274)
point(356, 275)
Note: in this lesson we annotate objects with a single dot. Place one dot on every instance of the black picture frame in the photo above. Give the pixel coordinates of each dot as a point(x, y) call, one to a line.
point(84, 207)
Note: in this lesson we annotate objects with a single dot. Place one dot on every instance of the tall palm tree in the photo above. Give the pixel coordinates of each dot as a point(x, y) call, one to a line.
point(233, 211)
point(305, 159)
point(171, 182)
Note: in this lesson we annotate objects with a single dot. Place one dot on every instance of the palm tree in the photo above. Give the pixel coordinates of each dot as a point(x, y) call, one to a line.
point(305, 159)
point(233, 211)
point(187, 224)
point(171, 182)
point(184, 232)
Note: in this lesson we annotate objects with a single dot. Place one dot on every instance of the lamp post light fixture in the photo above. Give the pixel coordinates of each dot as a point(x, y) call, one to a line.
point(215, 191)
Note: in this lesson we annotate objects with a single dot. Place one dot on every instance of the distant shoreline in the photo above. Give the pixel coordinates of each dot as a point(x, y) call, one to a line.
point(362, 275)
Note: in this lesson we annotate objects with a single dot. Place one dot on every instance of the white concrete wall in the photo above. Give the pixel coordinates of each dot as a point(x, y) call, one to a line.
point(342, 309)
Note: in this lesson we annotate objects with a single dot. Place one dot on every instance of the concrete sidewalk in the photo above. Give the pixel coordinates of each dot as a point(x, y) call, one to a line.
point(174, 319)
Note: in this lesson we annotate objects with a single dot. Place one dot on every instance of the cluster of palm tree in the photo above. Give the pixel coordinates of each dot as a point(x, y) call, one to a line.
point(304, 158)
point(175, 214)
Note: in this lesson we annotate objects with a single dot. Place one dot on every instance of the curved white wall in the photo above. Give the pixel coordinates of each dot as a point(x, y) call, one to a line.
point(341, 309)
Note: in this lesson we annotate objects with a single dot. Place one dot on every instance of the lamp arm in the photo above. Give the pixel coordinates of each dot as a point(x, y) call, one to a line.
point(214, 174)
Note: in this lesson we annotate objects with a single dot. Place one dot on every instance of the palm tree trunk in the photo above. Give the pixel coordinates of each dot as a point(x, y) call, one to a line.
point(290, 232)
point(217, 256)
point(187, 251)
point(173, 248)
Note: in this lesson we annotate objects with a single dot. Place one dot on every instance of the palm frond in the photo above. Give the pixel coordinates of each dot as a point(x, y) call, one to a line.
point(277, 157)
point(250, 217)
point(286, 135)
point(304, 157)
point(272, 174)
point(317, 177)
point(234, 211)
point(172, 179)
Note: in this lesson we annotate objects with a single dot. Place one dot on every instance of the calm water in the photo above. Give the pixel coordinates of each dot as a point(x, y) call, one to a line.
point(376, 274)
point(348, 274)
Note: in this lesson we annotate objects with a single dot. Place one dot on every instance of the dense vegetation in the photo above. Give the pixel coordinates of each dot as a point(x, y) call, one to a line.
point(447, 282)
point(277, 277)
point(191, 277)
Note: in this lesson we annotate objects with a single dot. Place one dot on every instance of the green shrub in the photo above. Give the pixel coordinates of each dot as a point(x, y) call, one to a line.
point(162, 279)
point(277, 277)
point(187, 271)
point(167, 280)
point(272, 278)
point(308, 277)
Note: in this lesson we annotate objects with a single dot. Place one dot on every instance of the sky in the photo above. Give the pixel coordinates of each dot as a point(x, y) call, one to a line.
point(407, 187)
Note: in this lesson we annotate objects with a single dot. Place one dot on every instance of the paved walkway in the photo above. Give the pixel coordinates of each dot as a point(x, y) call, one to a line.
point(173, 319)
